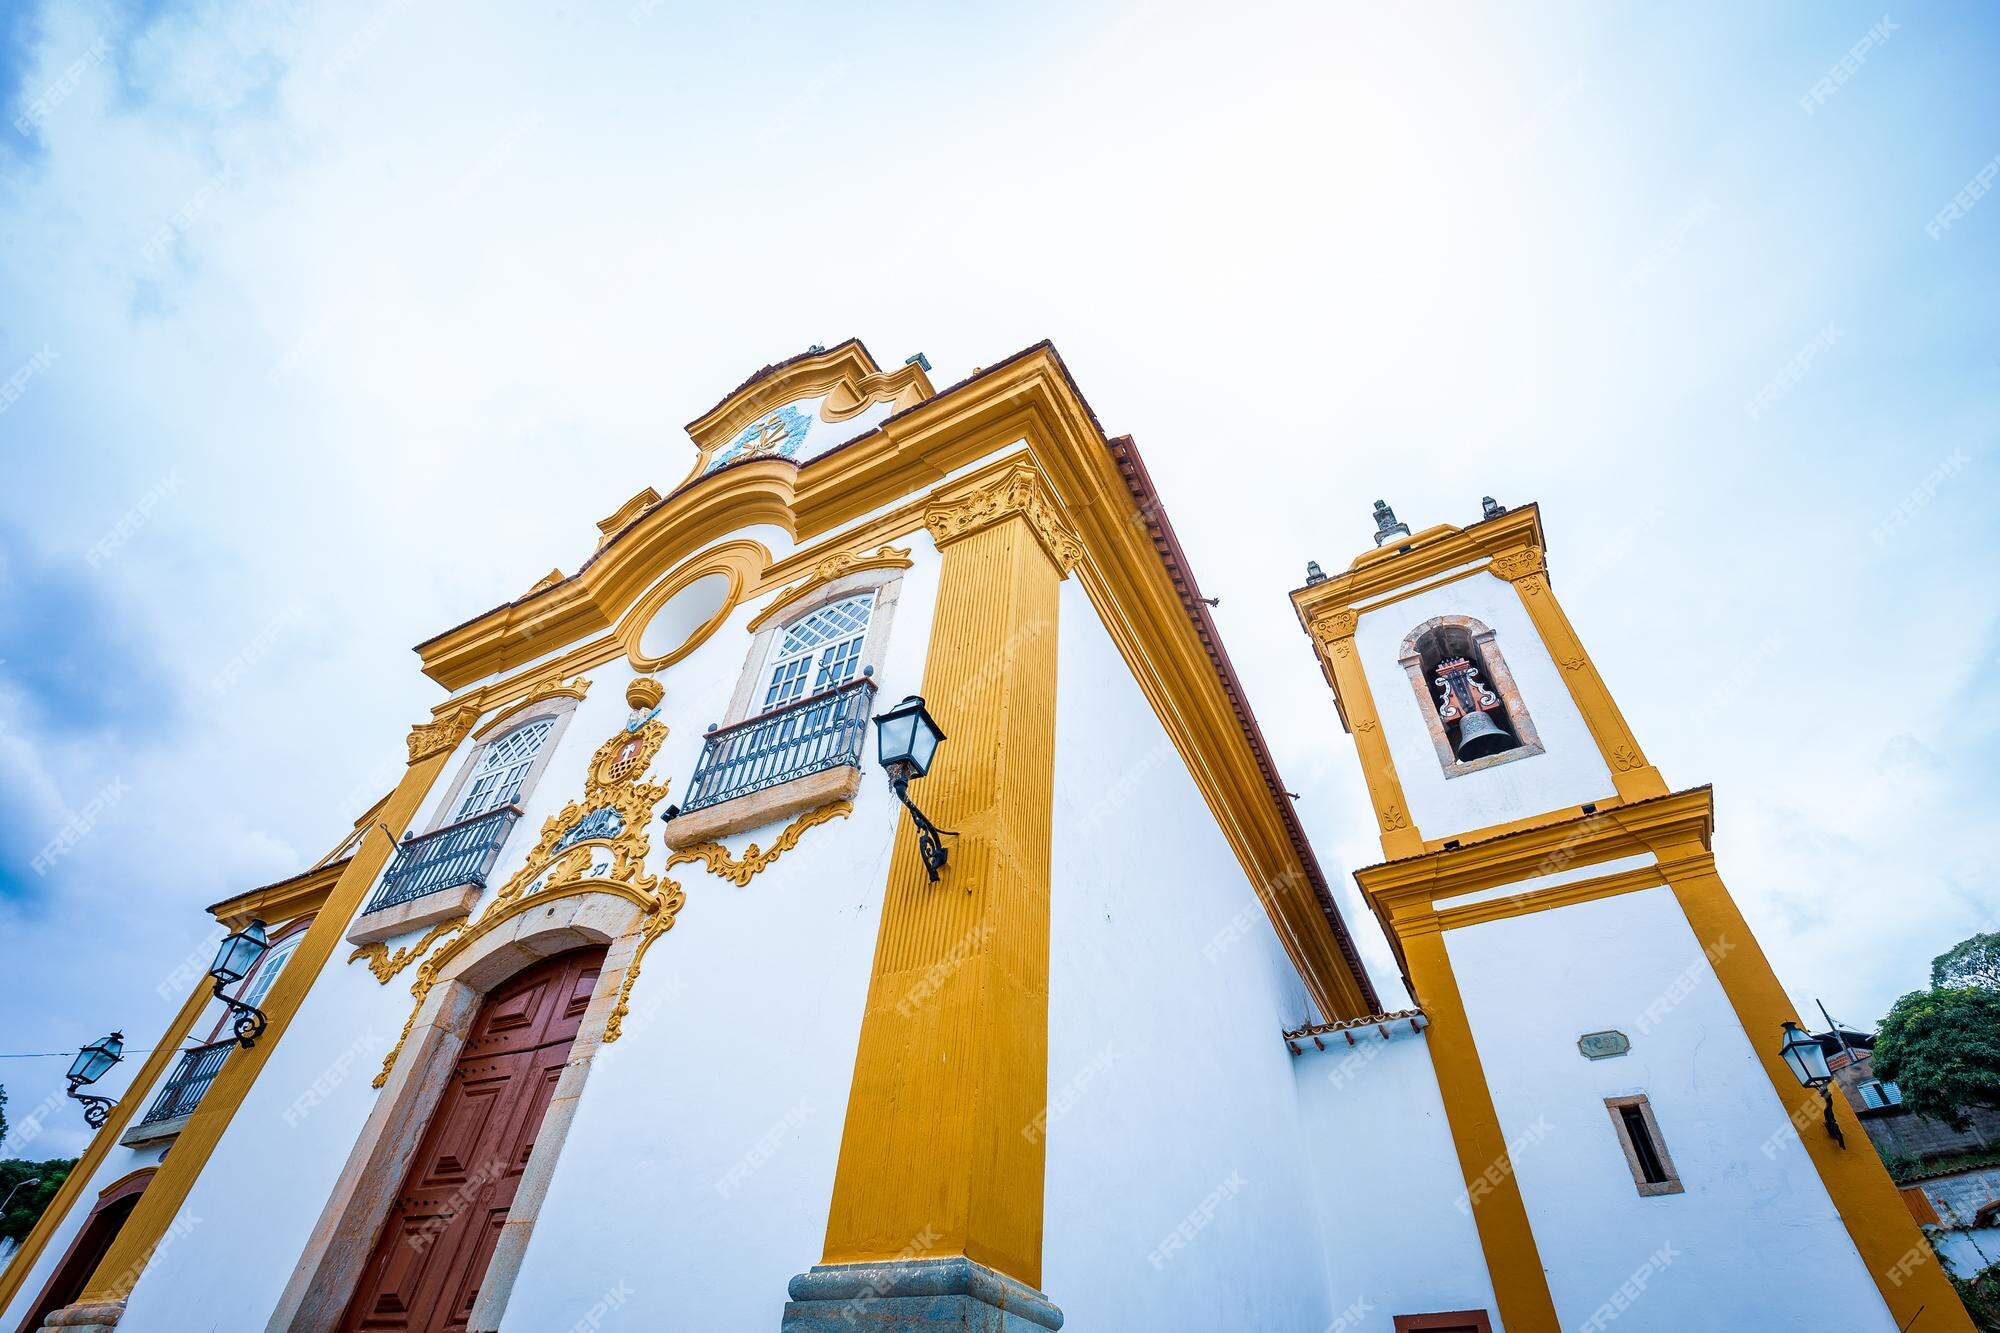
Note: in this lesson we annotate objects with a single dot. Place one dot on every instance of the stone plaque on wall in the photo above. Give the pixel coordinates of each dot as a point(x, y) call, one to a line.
point(1603, 1045)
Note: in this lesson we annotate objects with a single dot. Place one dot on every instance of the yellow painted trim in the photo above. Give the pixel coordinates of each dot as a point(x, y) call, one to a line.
point(741, 562)
point(937, 1154)
point(1541, 900)
point(541, 694)
point(70, 1193)
point(836, 566)
point(157, 1207)
point(1513, 1261)
point(875, 486)
point(1634, 777)
point(1892, 1245)
point(1333, 635)
point(846, 374)
point(287, 900)
point(1412, 899)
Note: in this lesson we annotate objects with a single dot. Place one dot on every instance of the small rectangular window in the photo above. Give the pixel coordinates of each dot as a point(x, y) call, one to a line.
point(1645, 1151)
point(1881, 1092)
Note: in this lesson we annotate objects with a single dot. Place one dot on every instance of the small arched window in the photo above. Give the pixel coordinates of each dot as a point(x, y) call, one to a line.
point(817, 651)
point(501, 769)
point(1467, 696)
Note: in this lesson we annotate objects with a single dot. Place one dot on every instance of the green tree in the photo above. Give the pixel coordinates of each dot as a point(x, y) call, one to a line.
point(1973, 962)
point(30, 1201)
point(1942, 1048)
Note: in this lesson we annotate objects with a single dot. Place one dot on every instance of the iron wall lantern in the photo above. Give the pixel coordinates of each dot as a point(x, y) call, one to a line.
point(233, 961)
point(92, 1063)
point(906, 740)
point(1807, 1060)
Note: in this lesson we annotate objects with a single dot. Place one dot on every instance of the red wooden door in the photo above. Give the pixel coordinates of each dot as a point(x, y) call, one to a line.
point(434, 1248)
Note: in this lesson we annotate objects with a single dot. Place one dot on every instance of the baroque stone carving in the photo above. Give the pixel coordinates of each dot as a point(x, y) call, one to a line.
point(1393, 818)
point(442, 735)
point(386, 965)
point(1335, 625)
point(740, 870)
point(826, 571)
point(1020, 493)
point(1516, 565)
point(1624, 758)
point(560, 865)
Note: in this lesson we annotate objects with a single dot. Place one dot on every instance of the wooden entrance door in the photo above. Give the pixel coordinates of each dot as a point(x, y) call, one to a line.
point(432, 1254)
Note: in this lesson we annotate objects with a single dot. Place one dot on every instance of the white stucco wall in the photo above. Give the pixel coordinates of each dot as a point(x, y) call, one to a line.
point(745, 1019)
point(1168, 1081)
point(1632, 963)
point(1386, 1179)
point(740, 1056)
point(1568, 773)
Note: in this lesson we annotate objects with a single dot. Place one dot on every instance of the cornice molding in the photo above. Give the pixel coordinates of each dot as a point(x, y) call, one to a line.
point(1672, 827)
point(286, 900)
point(552, 688)
point(1020, 493)
point(836, 566)
point(1512, 542)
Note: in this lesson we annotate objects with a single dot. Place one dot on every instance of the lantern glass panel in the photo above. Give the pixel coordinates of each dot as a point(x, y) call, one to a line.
point(894, 731)
point(923, 743)
point(96, 1059)
point(1806, 1057)
point(239, 953)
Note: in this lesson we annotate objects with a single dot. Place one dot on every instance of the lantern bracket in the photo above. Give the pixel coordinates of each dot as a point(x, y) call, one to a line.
point(95, 1109)
point(930, 838)
point(249, 1021)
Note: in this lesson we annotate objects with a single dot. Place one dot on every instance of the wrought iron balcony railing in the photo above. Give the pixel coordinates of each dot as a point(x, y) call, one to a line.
point(447, 858)
point(189, 1081)
point(821, 731)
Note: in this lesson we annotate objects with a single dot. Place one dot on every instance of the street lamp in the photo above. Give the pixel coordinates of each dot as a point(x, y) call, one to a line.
point(906, 739)
point(19, 1185)
point(1807, 1059)
point(233, 961)
point(92, 1063)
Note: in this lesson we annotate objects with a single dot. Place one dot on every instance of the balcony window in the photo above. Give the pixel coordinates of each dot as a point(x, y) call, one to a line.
point(181, 1093)
point(435, 877)
point(777, 763)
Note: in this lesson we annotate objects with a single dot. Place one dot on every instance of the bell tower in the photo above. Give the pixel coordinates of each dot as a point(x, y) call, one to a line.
point(1604, 1028)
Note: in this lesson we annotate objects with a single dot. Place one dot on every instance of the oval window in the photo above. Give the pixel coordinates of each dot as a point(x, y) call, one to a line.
point(686, 614)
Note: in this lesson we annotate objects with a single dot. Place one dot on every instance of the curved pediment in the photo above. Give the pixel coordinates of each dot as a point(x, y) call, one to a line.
point(802, 407)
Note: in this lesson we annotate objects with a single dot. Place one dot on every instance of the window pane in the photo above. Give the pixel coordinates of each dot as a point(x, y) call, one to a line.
point(267, 971)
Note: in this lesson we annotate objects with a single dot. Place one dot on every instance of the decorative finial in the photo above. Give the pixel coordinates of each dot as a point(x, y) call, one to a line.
point(1490, 508)
point(1386, 525)
point(1314, 574)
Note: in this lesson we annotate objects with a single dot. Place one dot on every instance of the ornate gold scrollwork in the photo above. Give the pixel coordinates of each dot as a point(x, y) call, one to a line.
point(441, 735)
point(612, 817)
point(740, 870)
point(386, 965)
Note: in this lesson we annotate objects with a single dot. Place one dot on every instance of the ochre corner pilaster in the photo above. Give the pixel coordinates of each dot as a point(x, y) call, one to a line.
point(941, 1153)
point(1631, 774)
point(1333, 635)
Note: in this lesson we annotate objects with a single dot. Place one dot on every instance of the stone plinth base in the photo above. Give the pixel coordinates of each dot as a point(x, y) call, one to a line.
point(96, 1317)
point(931, 1295)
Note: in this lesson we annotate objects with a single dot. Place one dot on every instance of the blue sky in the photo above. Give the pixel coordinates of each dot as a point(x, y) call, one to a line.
point(336, 324)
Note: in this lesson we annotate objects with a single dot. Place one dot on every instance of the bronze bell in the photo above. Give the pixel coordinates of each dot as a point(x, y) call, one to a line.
point(1479, 735)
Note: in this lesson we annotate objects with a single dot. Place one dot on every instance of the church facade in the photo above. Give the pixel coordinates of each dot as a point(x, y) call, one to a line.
point(650, 998)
